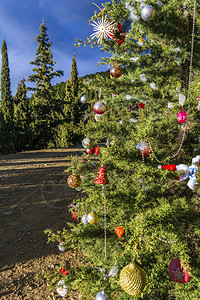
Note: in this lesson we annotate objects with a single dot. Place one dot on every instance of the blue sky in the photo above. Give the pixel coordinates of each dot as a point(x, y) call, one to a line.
point(66, 20)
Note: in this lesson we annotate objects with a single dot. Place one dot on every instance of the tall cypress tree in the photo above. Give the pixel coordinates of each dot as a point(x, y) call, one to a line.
point(44, 108)
point(22, 118)
point(6, 104)
point(69, 132)
point(74, 86)
point(72, 107)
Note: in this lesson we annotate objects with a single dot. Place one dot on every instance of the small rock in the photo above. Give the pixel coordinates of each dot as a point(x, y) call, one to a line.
point(7, 213)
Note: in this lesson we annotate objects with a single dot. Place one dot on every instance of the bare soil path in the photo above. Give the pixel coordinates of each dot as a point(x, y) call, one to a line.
point(34, 196)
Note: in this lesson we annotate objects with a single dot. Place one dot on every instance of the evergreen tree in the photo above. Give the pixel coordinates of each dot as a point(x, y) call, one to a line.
point(44, 103)
point(157, 214)
point(22, 127)
point(6, 119)
point(70, 132)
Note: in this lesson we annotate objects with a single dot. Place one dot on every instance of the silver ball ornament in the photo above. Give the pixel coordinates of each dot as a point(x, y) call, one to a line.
point(83, 99)
point(84, 219)
point(147, 12)
point(101, 296)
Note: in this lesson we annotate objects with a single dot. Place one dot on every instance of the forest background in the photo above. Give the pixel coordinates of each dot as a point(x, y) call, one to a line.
point(42, 115)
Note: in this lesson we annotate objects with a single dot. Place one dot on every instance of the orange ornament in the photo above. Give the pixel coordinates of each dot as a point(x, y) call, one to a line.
point(119, 231)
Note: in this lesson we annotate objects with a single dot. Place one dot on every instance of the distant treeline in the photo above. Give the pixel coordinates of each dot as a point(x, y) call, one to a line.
point(53, 116)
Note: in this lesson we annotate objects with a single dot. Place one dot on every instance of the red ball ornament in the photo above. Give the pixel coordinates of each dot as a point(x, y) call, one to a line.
point(99, 107)
point(182, 116)
point(177, 272)
point(144, 148)
point(74, 216)
point(115, 71)
point(63, 271)
point(90, 151)
point(102, 176)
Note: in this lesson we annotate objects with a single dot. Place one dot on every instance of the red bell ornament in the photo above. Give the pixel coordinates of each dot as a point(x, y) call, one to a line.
point(102, 176)
point(182, 116)
point(177, 272)
point(115, 71)
point(99, 107)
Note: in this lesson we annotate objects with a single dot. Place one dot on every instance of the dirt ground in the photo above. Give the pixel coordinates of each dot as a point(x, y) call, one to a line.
point(34, 196)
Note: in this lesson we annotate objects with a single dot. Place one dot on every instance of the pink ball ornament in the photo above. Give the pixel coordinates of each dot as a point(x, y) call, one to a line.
point(99, 108)
point(182, 116)
point(177, 272)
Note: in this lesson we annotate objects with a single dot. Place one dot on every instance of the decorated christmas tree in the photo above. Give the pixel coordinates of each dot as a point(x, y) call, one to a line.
point(138, 219)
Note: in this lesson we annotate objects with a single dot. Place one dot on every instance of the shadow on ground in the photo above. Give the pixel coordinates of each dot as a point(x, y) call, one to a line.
point(34, 196)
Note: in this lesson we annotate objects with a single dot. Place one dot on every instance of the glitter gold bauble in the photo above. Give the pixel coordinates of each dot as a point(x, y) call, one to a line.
point(73, 181)
point(92, 217)
point(132, 279)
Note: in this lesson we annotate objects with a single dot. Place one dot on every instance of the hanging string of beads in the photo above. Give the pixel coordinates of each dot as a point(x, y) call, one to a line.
point(105, 231)
point(171, 242)
point(188, 94)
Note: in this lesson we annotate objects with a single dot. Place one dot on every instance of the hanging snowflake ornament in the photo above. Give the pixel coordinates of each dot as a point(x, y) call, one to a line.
point(103, 28)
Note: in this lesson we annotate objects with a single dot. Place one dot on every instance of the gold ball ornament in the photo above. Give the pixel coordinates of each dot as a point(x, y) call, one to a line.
point(132, 279)
point(92, 217)
point(73, 181)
